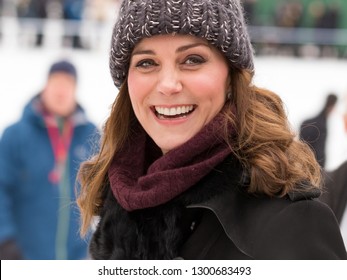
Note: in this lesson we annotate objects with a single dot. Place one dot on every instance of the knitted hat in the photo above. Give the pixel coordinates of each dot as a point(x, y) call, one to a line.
point(63, 66)
point(220, 22)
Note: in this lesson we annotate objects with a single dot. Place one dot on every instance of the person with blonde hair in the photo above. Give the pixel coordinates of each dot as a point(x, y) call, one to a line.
point(197, 162)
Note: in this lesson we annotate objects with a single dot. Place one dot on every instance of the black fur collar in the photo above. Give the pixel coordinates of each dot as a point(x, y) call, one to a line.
point(158, 232)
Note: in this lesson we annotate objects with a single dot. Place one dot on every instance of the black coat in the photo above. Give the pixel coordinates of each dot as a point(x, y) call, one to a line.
point(217, 219)
point(314, 132)
point(335, 192)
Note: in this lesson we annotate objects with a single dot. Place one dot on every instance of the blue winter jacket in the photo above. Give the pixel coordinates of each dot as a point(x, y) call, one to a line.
point(40, 216)
point(73, 9)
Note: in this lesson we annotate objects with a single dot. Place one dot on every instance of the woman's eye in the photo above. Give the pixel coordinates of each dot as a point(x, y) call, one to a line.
point(193, 60)
point(145, 63)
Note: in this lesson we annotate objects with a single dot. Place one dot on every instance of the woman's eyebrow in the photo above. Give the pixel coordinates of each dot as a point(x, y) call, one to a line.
point(186, 47)
point(180, 49)
point(139, 52)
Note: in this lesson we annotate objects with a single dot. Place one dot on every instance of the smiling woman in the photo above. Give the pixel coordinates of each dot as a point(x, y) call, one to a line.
point(196, 161)
point(177, 84)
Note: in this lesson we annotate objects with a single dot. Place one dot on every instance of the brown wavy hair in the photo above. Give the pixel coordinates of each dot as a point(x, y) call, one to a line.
point(265, 144)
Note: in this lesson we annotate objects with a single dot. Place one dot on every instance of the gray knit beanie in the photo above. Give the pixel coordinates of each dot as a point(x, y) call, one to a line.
point(220, 22)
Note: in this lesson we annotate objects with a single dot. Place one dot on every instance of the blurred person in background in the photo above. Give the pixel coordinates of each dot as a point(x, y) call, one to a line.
point(36, 10)
point(249, 8)
point(289, 15)
point(39, 157)
point(314, 130)
point(335, 188)
point(73, 14)
point(335, 194)
point(326, 15)
point(98, 12)
point(22, 7)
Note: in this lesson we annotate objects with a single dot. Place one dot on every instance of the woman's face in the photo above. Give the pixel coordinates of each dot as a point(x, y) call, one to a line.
point(177, 84)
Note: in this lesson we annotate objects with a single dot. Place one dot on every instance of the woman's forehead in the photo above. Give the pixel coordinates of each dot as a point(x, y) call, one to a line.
point(172, 39)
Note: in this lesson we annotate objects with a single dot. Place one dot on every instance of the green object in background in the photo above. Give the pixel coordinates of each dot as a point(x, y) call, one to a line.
point(265, 11)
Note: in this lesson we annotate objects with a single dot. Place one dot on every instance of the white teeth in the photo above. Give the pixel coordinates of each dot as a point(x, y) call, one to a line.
point(166, 111)
point(173, 111)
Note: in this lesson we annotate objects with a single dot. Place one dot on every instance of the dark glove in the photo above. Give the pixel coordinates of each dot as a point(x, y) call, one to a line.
point(9, 250)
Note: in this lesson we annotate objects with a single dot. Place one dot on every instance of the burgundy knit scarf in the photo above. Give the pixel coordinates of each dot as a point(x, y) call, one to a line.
point(141, 177)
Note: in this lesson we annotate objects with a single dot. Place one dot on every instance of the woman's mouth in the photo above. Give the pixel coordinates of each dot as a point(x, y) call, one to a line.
point(173, 112)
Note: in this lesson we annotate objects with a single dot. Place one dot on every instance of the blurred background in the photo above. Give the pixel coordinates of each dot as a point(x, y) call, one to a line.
point(300, 48)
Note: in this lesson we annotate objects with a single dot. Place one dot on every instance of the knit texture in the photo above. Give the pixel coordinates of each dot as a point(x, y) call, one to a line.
point(220, 22)
point(140, 177)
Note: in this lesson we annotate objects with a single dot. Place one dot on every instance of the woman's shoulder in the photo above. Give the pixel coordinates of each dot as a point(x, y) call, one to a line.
point(278, 228)
point(305, 229)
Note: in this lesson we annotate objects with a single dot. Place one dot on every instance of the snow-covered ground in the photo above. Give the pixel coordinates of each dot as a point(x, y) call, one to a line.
point(302, 83)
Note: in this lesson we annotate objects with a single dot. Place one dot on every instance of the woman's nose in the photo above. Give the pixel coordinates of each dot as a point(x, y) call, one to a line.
point(169, 81)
